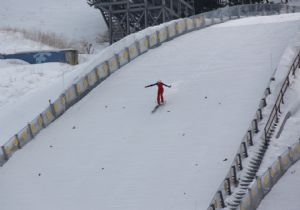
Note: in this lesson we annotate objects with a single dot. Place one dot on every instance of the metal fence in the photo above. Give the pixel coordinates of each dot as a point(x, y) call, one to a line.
point(131, 50)
point(274, 116)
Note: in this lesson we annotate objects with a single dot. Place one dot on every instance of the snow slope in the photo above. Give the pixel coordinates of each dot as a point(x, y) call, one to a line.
point(15, 42)
point(109, 152)
point(285, 194)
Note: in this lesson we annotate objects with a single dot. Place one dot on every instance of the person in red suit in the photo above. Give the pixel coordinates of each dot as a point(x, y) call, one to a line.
point(160, 91)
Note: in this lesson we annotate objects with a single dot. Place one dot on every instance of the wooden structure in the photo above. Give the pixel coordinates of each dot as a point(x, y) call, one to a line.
point(124, 17)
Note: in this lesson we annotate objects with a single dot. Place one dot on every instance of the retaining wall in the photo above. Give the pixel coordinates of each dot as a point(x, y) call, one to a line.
point(264, 183)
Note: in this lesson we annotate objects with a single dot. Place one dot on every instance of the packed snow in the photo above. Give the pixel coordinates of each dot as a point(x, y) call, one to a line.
point(110, 152)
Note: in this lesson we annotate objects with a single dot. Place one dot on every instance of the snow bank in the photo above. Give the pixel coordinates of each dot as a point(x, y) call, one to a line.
point(12, 42)
point(74, 20)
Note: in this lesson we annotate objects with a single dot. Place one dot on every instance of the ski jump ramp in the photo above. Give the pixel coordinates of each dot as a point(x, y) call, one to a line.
point(109, 152)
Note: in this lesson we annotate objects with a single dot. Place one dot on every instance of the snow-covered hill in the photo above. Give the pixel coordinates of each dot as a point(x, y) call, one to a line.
point(74, 20)
point(109, 152)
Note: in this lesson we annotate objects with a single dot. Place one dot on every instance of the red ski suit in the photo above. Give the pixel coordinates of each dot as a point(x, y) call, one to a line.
point(160, 91)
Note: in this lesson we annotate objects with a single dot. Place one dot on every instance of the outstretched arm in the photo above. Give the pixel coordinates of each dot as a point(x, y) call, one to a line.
point(150, 85)
point(167, 85)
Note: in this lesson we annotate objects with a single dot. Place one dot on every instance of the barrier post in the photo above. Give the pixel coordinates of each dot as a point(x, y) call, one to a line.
point(267, 91)
point(234, 177)
point(43, 123)
point(158, 38)
point(221, 199)
point(138, 47)
point(108, 68)
point(65, 100)
point(239, 161)
point(176, 29)
point(18, 141)
point(227, 186)
point(30, 130)
point(4, 153)
point(280, 164)
point(271, 177)
point(127, 51)
point(259, 185)
point(245, 150)
point(255, 125)
point(263, 103)
point(52, 108)
point(249, 138)
point(259, 114)
point(118, 61)
point(76, 92)
point(148, 41)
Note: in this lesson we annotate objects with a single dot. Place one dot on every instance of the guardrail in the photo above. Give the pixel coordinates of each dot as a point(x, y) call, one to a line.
point(274, 116)
point(129, 48)
point(264, 183)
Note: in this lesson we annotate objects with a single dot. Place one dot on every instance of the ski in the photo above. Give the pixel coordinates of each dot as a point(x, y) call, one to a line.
point(157, 106)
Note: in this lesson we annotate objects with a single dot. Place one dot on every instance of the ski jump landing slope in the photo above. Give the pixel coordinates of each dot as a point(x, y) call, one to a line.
point(109, 152)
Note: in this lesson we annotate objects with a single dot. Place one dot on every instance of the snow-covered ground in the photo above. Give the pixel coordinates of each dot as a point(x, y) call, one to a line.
point(285, 194)
point(18, 78)
point(25, 89)
point(74, 20)
point(20, 81)
point(110, 152)
point(13, 42)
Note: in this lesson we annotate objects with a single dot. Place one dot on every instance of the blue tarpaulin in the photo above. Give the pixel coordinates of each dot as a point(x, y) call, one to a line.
point(38, 57)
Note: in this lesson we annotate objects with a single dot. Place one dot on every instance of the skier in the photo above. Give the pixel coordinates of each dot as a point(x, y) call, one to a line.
point(160, 91)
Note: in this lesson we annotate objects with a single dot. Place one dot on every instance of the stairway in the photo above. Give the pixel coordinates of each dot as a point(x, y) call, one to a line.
point(252, 165)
